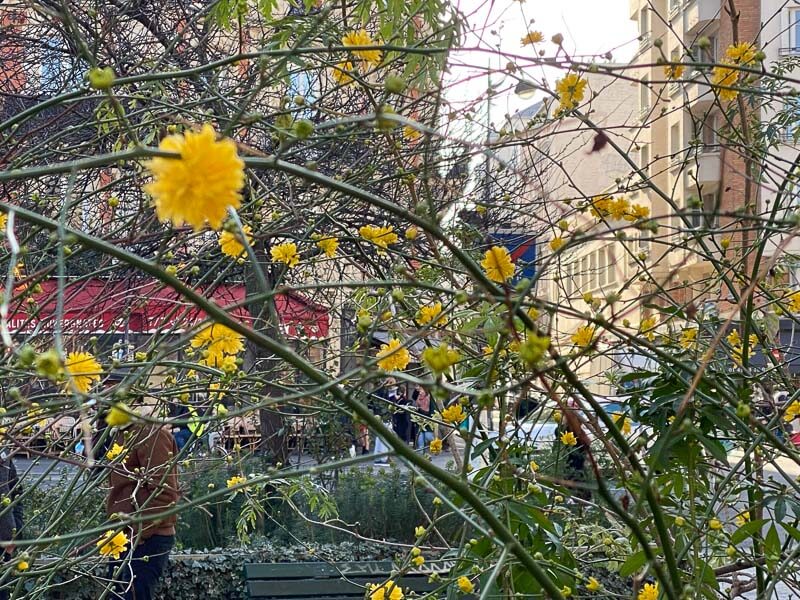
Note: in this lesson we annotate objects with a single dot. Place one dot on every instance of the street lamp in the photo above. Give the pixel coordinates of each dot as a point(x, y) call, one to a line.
point(526, 89)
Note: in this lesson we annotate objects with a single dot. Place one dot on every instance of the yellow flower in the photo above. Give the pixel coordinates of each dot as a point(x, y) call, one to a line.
point(341, 73)
point(557, 243)
point(623, 422)
point(380, 236)
point(411, 134)
point(588, 297)
point(792, 411)
point(688, 338)
point(328, 245)
point(674, 71)
point(285, 253)
point(570, 91)
point(454, 414)
point(3, 222)
point(393, 356)
point(115, 451)
point(418, 561)
point(600, 206)
point(419, 530)
point(23, 565)
point(680, 521)
point(566, 591)
point(412, 232)
point(533, 313)
point(113, 544)
point(725, 242)
point(742, 518)
point(497, 264)
point(793, 300)
point(722, 79)
point(593, 585)
point(583, 337)
point(647, 327)
point(362, 38)
point(534, 37)
point(533, 349)
point(119, 415)
point(440, 358)
point(715, 524)
point(430, 313)
point(388, 591)
point(235, 480)
point(734, 339)
point(435, 448)
point(216, 341)
point(637, 211)
point(619, 208)
point(465, 585)
point(568, 438)
point(199, 186)
point(648, 592)
point(83, 369)
point(743, 53)
point(533, 466)
point(230, 244)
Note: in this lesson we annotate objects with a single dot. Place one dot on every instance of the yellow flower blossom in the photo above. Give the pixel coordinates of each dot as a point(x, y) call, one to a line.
point(570, 90)
point(454, 414)
point(230, 242)
point(623, 423)
point(534, 37)
point(688, 339)
point(440, 358)
point(647, 327)
point(113, 544)
point(341, 73)
point(584, 336)
point(115, 451)
point(715, 525)
point(217, 341)
point(23, 565)
point(285, 253)
point(83, 370)
point(792, 411)
point(637, 211)
point(734, 339)
point(411, 134)
point(328, 245)
point(497, 264)
point(435, 448)
point(465, 585)
point(119, 415)
point(742, 518)
point(199, 186)
point(235, 480)
point(723, 78)
point(419, 530)
point(568, 438)
point(743, 53)
point(418, 561)
point(593, 585)
point(648, 592)
point(362, 38)
point(3, 222)
point(793, 302)
point(533, 466)
point(380, 236)
point(557, 243)
point(533, 349)
point(674, 71)
point(393, 356)
point(619, 209)
point(430, 313)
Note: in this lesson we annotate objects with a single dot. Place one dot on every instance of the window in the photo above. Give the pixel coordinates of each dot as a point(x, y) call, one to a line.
point(644, 96)
point(644, 159)
point(644, 24)
point(708, 133)
point(602, 267)
point(791, 129)
point(611, 274)
point(674, 7)
point(584, 274)
point(592, 271)
point(705, 216)
point(794, 30)
point(675, 143)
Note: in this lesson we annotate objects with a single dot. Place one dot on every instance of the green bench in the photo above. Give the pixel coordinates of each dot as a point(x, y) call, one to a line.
point(334, 581)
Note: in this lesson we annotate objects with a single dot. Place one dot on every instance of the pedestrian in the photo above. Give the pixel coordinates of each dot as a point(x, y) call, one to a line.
point(143, 485)
point(401, 421)
point(422, 403)
point(11, 517)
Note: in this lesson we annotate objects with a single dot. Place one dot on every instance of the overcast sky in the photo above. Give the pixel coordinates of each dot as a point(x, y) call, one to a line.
point(589, 27)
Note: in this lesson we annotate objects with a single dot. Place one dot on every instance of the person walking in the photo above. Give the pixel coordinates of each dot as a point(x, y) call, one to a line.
point(11, 517)
point(144, 485)
point(422, 403)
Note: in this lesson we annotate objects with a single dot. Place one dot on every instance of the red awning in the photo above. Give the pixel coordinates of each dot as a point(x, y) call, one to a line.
point(95, 306)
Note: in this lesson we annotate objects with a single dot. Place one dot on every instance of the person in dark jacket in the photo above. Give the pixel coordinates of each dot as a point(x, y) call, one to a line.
point(144, 485)
point(11, 517)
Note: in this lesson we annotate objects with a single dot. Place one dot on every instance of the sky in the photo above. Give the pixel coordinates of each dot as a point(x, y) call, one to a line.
point(589, 27)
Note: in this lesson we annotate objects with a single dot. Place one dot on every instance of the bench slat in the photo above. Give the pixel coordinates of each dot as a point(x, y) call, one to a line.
point(277, 588)
point(315, 569)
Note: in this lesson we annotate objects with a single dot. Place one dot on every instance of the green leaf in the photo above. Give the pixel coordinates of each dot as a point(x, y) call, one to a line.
point(747, 530)
point(716, 449)
point(633, 563)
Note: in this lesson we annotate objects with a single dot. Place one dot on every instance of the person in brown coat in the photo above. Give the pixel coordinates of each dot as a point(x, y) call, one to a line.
point(143, 484)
